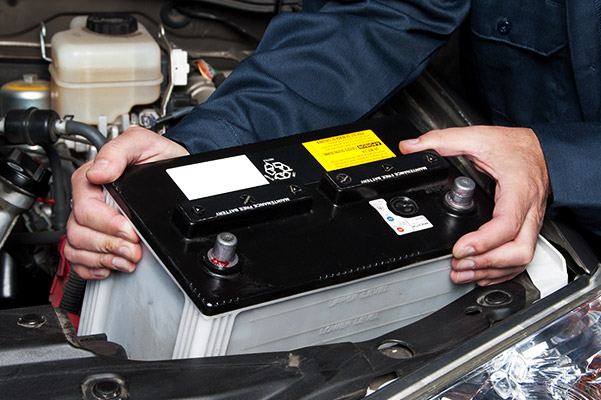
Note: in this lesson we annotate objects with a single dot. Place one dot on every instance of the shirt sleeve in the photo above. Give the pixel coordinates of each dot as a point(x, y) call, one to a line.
point(334, 62)
point(572, 154)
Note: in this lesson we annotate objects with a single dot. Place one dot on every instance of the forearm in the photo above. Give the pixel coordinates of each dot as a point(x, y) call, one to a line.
point(333, 63)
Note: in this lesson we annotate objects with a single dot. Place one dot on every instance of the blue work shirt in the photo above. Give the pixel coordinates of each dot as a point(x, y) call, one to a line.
point(532, 63)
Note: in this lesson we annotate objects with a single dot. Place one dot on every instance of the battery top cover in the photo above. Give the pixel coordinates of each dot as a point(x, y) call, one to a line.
point(252, 224)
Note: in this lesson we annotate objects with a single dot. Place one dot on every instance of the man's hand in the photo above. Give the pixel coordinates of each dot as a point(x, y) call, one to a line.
point(500, 249)
point(98, 237)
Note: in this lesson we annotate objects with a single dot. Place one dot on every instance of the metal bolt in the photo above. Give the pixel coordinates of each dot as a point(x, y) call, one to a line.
point(223, 254)
point(459, 198)
point(396, 349)
point(31, 321)
point(107, 390)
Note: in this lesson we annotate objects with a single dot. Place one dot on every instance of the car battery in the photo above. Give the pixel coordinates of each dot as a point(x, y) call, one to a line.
point(309, 239)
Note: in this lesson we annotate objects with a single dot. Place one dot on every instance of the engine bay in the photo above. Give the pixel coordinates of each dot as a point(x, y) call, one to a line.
point(109, 66)
point(75, 75)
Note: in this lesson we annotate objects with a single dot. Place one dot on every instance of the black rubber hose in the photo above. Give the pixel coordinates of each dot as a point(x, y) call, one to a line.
point(61, 209)
point(89, 132)
point(73, 293)
point(75, 287)
point(34, 238)
point(174, 115)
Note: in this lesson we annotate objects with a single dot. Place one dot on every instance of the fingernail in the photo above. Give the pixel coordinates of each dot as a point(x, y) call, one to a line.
point(127, 236)
point(125, 252)
point(98, 165)
point(465, 252)
point(483, 283)
point(466, 264)
point(411, 141)
point(464, 276)
point(121, 264)
point(99, 272)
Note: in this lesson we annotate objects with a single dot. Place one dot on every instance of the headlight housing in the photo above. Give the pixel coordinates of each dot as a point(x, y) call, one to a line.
point(561, 361)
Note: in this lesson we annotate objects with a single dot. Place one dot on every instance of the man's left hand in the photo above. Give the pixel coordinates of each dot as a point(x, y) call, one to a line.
point(500, 249)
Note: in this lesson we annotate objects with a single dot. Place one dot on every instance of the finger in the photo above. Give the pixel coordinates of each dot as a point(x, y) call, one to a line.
point(448, 142)
point(488, 282)
point(134, 146)
point(93, 260)
point(507, 221)
point(519, 251)
point(479, 144)
point(500, 264)
point(91, 210)
point(485, 276)
point(83, 238)
point(117, 154)
point(90, 273)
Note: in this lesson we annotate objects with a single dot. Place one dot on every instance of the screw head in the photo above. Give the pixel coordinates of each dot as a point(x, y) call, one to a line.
point(31, 321)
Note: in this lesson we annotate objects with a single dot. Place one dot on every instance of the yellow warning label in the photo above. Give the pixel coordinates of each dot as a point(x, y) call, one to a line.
point(348, 150)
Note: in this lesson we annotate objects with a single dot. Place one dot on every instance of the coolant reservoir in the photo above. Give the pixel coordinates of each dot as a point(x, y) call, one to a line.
point(103, 65)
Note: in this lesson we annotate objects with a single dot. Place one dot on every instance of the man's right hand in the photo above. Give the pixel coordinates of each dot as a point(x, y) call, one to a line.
point(98, 237)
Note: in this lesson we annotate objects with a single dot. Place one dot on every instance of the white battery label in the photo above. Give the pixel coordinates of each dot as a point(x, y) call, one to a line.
point(400, 225)
point(215, 177)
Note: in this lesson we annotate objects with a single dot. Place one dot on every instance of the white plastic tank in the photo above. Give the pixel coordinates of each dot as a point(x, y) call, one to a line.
point(103, 65)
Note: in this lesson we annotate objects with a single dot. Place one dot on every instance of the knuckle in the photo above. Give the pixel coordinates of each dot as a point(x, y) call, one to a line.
point(434, 135)
point(524, 254)
point(69, 252)
point(105, 247)
point(115, 219)
point(484, 264)
point(106, 260)
point(79, 239)
point(75, 238)
point(513, 227)
point(82, 271)
point(79, 213)
point(483, 274)
point(79, 175)
point(79, 172)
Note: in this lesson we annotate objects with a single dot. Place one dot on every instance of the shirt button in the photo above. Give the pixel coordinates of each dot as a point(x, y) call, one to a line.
point(504, 27)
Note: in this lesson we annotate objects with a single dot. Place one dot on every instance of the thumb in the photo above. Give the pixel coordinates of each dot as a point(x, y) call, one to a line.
point(411, 145)
point(105, 170)
point(449, 142)
point(117, 154)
